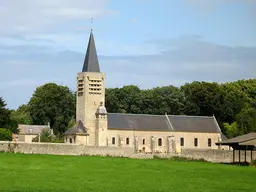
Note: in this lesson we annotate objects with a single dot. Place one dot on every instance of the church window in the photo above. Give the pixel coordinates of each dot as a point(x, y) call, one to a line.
point(70, 140)
point(127, 141)
point(113, 141)
point(80, 94)
point(159, 142)
point(181, 141)
point(209, 142)
point(195, 142)
point(143, 141)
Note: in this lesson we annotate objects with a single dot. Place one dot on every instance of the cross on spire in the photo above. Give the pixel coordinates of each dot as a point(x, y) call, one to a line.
point(91, 23)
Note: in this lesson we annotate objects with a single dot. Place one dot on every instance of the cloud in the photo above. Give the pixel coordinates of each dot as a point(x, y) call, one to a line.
point(181, 60)
point(30, 16)
point(186, 59)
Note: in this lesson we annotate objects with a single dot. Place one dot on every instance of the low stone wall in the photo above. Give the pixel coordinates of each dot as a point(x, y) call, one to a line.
point(211, 155)
point(218, 156)
point(69, 149)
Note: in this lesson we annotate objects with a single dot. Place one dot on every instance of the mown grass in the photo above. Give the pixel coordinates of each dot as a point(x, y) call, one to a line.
point(46, 173)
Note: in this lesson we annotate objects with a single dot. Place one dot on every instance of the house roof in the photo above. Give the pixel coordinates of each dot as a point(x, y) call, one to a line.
point(238, 140)
point(77, 129)
point(91, 63)
point(142, 122)
point(31, 129)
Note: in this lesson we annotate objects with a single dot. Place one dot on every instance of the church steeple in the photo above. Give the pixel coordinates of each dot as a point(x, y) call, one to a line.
point(91, 63)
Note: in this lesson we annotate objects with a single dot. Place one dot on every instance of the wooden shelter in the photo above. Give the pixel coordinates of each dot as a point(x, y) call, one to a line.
point(244, 143)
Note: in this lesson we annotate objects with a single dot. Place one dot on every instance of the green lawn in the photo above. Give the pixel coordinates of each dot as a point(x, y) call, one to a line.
point(70, 173)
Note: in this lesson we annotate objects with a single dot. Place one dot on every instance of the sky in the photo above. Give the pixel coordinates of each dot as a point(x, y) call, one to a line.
point(148, 43)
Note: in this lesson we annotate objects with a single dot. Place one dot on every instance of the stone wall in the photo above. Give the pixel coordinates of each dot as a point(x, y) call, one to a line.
point(212, 155)
point(218, 156)
point(69, 149)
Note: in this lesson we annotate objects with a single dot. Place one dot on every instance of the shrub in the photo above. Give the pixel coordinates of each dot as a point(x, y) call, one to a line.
point(253, 163)
point(47, 137)
point(5, 134)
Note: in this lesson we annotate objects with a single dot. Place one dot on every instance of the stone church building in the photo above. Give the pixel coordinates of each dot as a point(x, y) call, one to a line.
point(145, 133)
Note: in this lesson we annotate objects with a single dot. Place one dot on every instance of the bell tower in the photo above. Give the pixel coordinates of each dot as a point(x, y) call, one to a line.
point(90, 91)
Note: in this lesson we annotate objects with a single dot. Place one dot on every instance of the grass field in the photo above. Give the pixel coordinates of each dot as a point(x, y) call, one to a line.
point(47, 173)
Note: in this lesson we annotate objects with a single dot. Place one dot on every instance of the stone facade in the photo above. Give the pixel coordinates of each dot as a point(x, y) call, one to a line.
point(159, 142)
point(90, 93)
point(143, 137)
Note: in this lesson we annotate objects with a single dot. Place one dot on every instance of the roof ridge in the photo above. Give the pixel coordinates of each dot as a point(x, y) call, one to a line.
point(162, 115)
point(191, 116)
point(135, 114)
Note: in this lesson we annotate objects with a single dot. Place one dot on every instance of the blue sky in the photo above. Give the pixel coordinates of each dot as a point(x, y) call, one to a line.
point(148, 43)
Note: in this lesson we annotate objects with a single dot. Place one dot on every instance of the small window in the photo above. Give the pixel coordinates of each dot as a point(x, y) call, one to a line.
point(209, 142)
point(181, 141)
point(159, 142)
point(195, 142)
point(127, 141)
point(70, 140)
point(143, 141)
point(113, 141)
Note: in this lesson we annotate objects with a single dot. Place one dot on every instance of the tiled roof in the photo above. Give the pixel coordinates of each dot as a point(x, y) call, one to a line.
point(193, 124)
point(138, 122)
point(78, 128)
point(31, 129)
point(178, 123)
point(239, 139)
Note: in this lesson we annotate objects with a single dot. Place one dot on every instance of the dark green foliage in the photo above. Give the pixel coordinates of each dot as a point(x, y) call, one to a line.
point(233, 104)
point(4, 114)
point(19, 116)
point(5, 134)
point(52, 103)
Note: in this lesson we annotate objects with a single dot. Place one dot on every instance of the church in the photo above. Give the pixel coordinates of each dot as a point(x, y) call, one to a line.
point(142, 132)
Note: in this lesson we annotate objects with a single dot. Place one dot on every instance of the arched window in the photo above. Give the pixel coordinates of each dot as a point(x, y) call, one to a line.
point(127, 141)
point(70, 140)
point(209, 142)
point(159, 142)
point(113, 141)
point(195, 142)
point(143, 141)
point(181, 141)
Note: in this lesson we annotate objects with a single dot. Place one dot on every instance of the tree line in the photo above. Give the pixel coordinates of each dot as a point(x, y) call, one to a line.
point(233, 104)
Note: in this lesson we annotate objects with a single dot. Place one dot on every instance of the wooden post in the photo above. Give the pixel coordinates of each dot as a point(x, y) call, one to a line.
point(239, 157)
point(245, 155)
point(251, 155)
point(234, 155)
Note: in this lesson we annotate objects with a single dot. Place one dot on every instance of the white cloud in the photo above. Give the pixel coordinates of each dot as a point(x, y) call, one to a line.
point(33, 16)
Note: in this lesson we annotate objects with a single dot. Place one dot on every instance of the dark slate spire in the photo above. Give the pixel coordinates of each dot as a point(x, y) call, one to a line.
point(91, 63)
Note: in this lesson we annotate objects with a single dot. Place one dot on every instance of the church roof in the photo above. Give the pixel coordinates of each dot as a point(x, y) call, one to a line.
point(91, 63)
point(179, 123)
point(78, 128)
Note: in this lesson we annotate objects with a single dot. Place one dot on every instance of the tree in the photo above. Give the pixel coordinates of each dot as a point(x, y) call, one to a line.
point(231, 130)
point(19, 116)
point(4, 114)
point(202, 98)
point(54, 104)
point(5, 134)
